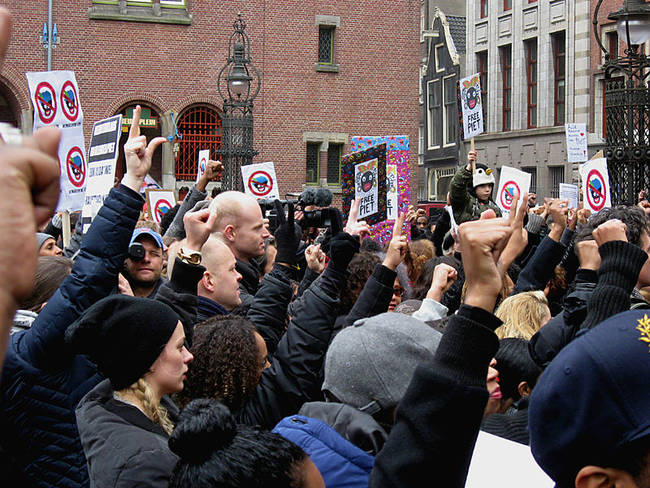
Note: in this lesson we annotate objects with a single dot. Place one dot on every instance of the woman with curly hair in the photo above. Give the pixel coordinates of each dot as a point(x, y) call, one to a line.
point(418, 254)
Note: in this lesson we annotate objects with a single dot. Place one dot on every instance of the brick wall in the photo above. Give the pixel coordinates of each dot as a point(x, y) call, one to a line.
point(375, 91)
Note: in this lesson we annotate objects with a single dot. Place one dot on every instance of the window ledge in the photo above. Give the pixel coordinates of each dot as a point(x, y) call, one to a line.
point(140, 14)
point(326, 68)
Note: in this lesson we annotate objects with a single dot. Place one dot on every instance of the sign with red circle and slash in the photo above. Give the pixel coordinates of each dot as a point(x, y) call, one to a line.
point(509, 192)
point(69, 101)
point(260, 183)
point(45, 101)
point(596, 190)
point(161, 208)
point(75, 164)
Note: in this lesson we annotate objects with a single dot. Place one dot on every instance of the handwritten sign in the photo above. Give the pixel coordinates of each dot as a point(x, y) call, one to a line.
point(472, 107)
point(569, 192)
point(576, 143)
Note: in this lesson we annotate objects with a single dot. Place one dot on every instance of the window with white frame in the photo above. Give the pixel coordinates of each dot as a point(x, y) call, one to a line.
point(434, 113)
point(450, 110)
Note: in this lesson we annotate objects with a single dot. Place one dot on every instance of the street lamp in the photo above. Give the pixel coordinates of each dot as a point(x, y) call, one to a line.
point(627, 103)
point(238, 84)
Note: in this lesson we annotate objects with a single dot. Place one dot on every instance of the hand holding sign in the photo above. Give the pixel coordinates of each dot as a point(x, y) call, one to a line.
point(356, 227)
point(138, 154)
point(397, 247)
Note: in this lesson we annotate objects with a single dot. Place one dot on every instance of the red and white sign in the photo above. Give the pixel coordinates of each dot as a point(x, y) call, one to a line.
point(204, 157)
point(69, 101)
point(595, 184)
point(260, 180)
point(509, 192)
point(45, 102)
point(159, 203)
point(512, 183)
point(75, 164)
point(55, 95)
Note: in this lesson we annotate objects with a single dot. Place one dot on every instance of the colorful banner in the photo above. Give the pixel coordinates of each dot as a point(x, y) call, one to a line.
point(576, 142)
point(470, 96)
point(595, 184)
point(260, 180)
point(397, 156)
point(159, 202)
point(360, 172)
point(512, 183)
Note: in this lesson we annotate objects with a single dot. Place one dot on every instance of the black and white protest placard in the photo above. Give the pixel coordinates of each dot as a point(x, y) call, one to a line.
point(102, 157)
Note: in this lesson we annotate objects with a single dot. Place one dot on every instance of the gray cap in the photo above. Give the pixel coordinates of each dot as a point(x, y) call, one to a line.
point(41, 238)
point(369, 365)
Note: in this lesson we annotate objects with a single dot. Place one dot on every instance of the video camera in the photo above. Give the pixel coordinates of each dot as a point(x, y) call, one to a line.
point(319, 197)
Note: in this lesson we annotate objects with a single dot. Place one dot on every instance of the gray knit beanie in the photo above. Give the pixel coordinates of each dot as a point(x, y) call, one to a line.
point(41, 238)
point(369, 365)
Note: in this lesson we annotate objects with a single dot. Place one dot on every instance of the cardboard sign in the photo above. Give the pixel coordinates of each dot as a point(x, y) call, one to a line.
point(260, 180)
point(363, 174)
point(472, 107)
point(102, 158)
point(159, 202)
point(55, 96)
point(569, 192)
point(202, 164)
point(391, 192)
point(595, 184)
point(576, 142)
point(512, 183)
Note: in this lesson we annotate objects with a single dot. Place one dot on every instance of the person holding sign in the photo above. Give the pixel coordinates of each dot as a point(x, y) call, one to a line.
point(471, 191)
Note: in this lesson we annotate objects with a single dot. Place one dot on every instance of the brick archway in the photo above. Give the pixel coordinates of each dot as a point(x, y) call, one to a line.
point(200, 125)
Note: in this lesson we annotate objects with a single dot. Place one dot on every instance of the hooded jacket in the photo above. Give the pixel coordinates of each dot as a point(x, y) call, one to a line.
point(465, 205)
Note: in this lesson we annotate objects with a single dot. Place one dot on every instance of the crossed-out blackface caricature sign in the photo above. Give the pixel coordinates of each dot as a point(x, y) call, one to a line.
point(55, 97)
point(470, 95)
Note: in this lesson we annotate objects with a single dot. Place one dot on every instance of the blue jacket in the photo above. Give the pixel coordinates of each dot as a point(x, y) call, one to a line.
point(341, 463)
point(42, 381)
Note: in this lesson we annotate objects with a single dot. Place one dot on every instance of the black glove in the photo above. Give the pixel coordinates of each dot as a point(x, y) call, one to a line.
point(343, 247)
point(287, 235)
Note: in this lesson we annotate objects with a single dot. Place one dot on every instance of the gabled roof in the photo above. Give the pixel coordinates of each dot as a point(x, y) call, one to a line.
point(457, 30)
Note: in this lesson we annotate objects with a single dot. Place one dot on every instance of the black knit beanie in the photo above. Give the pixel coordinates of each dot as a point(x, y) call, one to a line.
point(123, 335)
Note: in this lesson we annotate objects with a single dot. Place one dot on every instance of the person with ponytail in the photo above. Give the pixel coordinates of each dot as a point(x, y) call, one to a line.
point(124, 423)
point(216, 452)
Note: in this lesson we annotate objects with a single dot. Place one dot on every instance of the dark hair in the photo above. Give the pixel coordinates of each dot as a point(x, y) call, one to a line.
point(168, 218)
point(360, 268)
point(50, 273)
point(515, 365)
point(370, 245)
point(216, 452)
point(632, 216)
point(226, 362)
point(423, 282)
point(215, 191)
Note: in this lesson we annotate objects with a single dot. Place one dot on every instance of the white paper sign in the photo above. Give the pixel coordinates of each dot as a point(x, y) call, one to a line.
point(490, 451)
point(576, 142)
point(102, 157)
point(569, 192)
point(595, 184)
point(391, 192)
point(260, 180)
point(512, 183)
point(204, 157)
point(55, 96)
point(366, 187)
point(160, 202)
point(472, 106)
point(74, 169)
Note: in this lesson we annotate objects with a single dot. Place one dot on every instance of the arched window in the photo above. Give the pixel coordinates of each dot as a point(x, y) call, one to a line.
point(9, 109)
point(200, 126)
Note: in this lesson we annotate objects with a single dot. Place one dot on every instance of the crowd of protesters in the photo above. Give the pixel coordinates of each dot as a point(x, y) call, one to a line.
point(216, 349)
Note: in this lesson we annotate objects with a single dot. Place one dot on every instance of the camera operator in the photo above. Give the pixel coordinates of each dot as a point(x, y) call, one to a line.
point(144, 263)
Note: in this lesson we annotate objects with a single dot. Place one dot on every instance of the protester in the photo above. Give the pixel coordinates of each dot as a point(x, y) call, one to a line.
point(47, 245)
point(124, 422)
point(144, 263)
point(215, 451)
point(471, 192)
point(522, 315)
point(240, 222)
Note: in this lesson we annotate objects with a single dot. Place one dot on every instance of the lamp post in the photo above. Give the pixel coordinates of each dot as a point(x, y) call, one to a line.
point(238, 84)
point(627, 103)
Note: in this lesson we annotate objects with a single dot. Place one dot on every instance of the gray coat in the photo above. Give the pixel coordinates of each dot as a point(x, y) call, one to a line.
point(124, 448)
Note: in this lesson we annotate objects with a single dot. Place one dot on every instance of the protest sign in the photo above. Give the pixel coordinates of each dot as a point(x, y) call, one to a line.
point(102, 157)
point(397, 155)
point(512, 183)
point(159, 202)
point(149, 184)
point(260, 180)
point(363, 175)
point(74, 170)
point(569, 192)
point(204, 157)
point(576, 142)
point(472, 106)
point(391, 192)
point(55, 96)
point(595, 184)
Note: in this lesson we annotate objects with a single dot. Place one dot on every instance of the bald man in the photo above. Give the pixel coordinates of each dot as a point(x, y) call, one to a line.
point(218, 291)
point(240, 223)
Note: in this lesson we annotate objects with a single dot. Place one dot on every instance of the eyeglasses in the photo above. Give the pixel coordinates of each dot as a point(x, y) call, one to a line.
point(398, 290)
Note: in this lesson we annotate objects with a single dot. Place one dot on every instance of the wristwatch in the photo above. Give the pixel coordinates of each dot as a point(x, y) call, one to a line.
point(189, 256)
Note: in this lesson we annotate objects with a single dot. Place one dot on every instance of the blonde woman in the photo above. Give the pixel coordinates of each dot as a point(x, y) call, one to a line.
point(522, 314)
point(124, 423)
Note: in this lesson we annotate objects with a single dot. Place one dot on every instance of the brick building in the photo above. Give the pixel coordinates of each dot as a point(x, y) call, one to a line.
point(330, 70)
